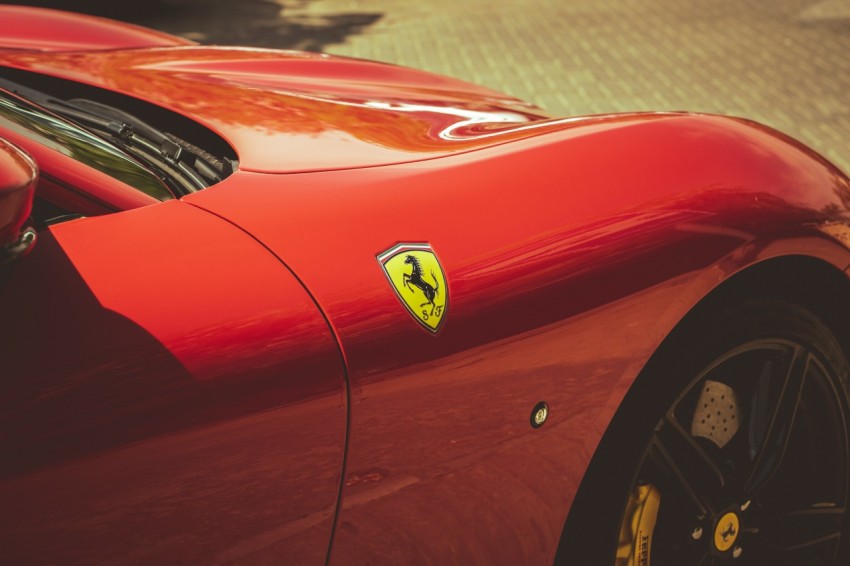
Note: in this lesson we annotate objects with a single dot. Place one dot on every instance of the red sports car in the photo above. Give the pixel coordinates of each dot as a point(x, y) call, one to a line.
point(275, 307)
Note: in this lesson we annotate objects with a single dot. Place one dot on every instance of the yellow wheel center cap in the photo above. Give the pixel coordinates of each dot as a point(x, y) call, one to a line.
point(726, 532)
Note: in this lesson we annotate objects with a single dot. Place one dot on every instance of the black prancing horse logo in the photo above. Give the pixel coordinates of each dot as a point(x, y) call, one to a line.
point(415, 279)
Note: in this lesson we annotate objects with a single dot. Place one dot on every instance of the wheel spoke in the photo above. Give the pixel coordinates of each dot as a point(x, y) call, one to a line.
point(774, 413)
point(690, 465)
point(802, 529)
point(757, 440)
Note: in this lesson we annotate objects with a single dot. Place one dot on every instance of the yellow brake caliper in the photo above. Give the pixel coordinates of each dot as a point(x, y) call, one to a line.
point(638, 524)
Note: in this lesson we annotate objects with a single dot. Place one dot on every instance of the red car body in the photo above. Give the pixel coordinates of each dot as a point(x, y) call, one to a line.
point(228, 376)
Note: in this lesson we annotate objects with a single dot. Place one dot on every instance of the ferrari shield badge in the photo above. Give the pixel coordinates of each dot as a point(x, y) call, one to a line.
point(418, 280)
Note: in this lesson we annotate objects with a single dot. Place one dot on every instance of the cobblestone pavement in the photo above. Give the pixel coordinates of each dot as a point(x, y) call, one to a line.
point(785, 63)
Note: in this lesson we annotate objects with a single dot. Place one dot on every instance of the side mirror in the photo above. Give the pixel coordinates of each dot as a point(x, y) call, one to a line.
point(18, 178)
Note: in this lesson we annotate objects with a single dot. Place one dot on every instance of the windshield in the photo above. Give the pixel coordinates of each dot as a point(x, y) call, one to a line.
point(27, 119)
point(149, 148)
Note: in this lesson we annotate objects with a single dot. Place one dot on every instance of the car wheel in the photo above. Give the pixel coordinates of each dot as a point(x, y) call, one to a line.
point(748, 461)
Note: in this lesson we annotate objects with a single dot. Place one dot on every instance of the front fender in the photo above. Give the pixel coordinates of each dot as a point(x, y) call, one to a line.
point(568, 258)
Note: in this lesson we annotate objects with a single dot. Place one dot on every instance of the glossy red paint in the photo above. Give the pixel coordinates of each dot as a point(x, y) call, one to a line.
point(42, 29)
point(169, 393)
point(294, 121)
point(183, 394)
point(18, 174)
point(569, 257)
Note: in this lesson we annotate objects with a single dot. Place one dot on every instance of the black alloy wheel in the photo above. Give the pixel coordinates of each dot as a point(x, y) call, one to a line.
point(749, 463)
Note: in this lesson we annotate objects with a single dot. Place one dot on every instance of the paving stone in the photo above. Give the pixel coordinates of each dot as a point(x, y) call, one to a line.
point(785, 63)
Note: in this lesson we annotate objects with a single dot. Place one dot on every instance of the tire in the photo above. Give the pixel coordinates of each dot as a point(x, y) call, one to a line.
point(733, 448)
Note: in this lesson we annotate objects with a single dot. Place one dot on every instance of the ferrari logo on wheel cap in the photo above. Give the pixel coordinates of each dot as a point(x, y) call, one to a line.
point(418, 280)
point(726, 532)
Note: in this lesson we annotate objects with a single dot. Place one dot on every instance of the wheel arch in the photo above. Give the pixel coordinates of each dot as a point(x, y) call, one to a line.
point(807, 281)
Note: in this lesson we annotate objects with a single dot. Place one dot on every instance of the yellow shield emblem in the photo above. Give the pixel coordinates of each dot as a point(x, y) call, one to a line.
point(419, 282)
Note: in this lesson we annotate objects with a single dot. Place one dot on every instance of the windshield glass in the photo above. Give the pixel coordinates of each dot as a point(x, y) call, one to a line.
point(173, 150)
point(51, 131)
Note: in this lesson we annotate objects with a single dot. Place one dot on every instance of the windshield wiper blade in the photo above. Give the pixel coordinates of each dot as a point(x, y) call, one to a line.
point(187, 168)
point(143, 140)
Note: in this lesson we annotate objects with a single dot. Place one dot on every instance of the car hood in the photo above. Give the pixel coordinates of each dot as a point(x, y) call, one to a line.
point(287, 111)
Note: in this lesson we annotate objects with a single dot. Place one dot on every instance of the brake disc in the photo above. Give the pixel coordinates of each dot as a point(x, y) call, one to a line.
point(716, 417)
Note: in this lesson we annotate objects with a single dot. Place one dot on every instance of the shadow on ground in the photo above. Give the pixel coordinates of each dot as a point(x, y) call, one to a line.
point(259, 23)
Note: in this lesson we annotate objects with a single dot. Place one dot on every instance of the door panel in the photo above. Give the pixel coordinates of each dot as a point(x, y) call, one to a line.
point(169, 393)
